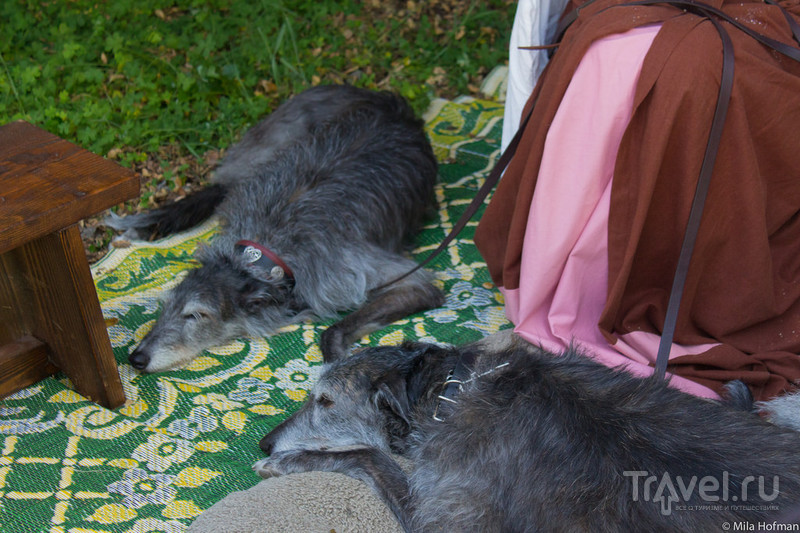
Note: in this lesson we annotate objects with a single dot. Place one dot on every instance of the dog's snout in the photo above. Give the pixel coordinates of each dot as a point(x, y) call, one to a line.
point(139, 359)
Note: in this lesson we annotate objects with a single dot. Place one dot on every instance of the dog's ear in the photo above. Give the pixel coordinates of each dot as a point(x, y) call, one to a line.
point(417, 352)
point(391, 394)
point(256, 294)
point(422, 360)
point(399, 389)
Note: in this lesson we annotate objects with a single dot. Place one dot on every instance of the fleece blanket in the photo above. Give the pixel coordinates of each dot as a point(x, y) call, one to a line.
point(185, 439)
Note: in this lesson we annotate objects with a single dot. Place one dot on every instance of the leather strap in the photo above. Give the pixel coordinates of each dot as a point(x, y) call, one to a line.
point(698, 202)
point(795, 27)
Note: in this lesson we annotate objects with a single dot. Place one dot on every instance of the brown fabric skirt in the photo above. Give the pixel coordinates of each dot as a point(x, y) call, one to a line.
point(743, 286)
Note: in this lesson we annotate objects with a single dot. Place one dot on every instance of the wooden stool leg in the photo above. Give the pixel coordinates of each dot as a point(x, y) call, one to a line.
point(63, 311)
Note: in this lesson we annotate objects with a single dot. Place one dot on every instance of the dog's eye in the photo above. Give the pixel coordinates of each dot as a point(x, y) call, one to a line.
point(196, 315)
point(324, 401)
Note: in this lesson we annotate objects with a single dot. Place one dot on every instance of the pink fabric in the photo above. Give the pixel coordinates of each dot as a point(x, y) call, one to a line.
point(564, 265)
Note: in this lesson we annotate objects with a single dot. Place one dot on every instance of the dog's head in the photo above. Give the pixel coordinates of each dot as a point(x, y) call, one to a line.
point(215, 303)
point(364, 400)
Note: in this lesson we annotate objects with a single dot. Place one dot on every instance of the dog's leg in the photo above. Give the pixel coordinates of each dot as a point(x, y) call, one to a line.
point(384, 307)
point(369, 465)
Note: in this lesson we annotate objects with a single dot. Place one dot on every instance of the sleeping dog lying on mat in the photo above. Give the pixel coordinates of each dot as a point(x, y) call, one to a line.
point(518, 439)
point(317, 203)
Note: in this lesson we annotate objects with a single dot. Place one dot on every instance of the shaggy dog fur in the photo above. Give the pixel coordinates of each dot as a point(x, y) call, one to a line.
point(335, 183)
point(536, 442)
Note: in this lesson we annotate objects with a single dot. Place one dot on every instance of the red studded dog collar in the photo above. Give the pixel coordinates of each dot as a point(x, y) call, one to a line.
point(257, 255)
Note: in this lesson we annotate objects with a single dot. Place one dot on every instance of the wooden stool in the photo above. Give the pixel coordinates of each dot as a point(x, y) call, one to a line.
point(50, 317)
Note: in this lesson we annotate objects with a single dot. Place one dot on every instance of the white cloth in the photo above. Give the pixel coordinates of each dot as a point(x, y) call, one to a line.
point(534, 25)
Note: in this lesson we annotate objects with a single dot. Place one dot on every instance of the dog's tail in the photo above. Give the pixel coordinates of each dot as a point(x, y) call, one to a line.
point(738, 396)
point(173, 217)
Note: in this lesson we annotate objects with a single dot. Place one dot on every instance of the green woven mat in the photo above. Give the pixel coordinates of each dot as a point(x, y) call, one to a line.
point(187, 438)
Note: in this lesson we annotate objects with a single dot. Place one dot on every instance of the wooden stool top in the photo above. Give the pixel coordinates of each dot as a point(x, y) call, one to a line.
point(48, 184)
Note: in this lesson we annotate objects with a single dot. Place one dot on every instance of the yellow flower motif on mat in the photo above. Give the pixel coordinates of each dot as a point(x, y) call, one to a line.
point(113, 513)
point(234, 420)
point(202, 363)
point(296, 395)
point(296, 375)
point(313, 354)
point(269, 410)
point(66, 396)
point(231, 348)
point(153, 525)
point(498, 295)
point(193, 477)
point(217, 401)
point(310, 334)
point(187, 388)
point(122, 463)
point(488, 320)
point(181, 509)
point(212, 446)
point(160, 452)
point(465, 272)
point(390, 339)
point(264, 373)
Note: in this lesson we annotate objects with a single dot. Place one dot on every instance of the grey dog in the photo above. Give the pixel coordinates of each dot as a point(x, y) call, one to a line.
point(317, 203)
point(536, 442)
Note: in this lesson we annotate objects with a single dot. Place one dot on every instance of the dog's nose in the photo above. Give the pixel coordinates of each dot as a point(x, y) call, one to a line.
point(266, 444)
point(139, 359)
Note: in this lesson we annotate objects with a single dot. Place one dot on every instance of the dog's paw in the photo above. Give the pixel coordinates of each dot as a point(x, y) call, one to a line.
point(282, 463)
point(267, 468)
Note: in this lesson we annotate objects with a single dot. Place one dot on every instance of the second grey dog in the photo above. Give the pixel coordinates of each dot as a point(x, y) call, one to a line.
point(317, 203)
point(536, 442)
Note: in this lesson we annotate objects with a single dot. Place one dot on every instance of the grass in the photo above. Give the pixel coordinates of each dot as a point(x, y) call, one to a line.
point(163, 86)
